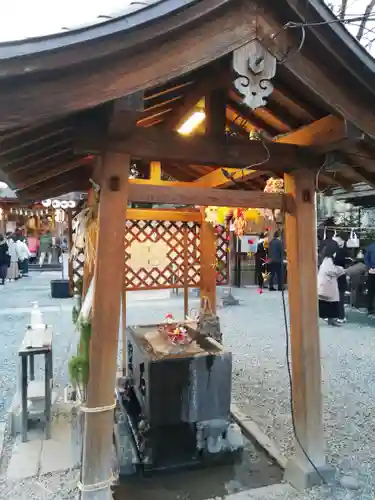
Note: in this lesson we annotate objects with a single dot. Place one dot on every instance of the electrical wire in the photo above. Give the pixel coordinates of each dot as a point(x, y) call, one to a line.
point(303, 25)
point(230, 176)
point(288, 57)
point(287, 354)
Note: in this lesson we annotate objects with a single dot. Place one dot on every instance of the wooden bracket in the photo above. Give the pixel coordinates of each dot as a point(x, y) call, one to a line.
point(254, 66)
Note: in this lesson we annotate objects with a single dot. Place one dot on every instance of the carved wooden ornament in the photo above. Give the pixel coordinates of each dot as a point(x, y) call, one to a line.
point(255, 66)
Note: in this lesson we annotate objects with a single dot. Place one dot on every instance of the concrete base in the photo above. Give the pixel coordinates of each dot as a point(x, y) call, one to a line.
point(300, 474)
point(38, 455)
point(227, 298)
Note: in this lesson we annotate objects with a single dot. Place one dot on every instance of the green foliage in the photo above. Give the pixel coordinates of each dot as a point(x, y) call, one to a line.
point(79, 370)
point(79, 287)
point(79, 365)
point(75, 314)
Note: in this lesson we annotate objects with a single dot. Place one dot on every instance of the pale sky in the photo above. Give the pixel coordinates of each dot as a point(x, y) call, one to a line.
point(357, 8)
point(30, 18)
point(21, 19)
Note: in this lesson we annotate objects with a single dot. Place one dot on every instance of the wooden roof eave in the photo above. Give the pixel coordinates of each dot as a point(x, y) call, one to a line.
point(306, 66)
point(337, 39)
point(150, 59)
point(94, 41)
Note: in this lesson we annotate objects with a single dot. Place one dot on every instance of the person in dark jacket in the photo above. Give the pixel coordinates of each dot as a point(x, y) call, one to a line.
point(276, 261)
point(370, 264)
point(341, 258)
point(4, 259)
point(260, 261)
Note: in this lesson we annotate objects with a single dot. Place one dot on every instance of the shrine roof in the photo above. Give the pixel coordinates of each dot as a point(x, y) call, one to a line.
point(173, 51)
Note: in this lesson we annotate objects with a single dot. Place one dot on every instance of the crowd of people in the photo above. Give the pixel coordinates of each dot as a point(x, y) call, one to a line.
point(335, 267)
point(18, 250)
point(338, 269)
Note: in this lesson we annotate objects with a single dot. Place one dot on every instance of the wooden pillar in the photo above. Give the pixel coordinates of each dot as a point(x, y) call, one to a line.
point(70, 246)
point(186, 271)
point(87, 272)
point(123, 331)
point(215, 105)
point(301, 248)
point(97, 453)
point(208, 261)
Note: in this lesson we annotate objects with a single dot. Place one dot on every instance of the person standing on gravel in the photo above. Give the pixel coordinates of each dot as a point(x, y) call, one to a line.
point(45, 248)
point(370, 264)
point(4, 259)
point(23, 256)
point(13, 270)
point(328, 288)
point(275, 262)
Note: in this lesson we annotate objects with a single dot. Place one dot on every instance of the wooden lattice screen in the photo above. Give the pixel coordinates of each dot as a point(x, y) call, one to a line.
point(171, 276)
point(77, 265)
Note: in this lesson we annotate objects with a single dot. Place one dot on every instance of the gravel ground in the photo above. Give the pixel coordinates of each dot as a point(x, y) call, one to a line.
point(254, 332)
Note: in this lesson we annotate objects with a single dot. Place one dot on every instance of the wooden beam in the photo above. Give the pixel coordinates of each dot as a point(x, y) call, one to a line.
point(205, 196)
point(51, 191)
point(215, 108)
point(248, 115)
point(54, 172)
point(332, 179)
point(163, 214)
point(150, 182)
point(324, 135)
point(209, 81)
point(235, 152)
point(363, 175)
point(124, 113)
point(303, 304)
point(155, 172)
point(217, 178)
point(108, 287)
point(152, 119)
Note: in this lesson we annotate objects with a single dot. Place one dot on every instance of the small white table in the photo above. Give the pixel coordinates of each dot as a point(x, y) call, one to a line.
point(37, 341)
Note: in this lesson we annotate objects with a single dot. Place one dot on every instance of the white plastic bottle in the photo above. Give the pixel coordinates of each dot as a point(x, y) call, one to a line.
point(36, 319)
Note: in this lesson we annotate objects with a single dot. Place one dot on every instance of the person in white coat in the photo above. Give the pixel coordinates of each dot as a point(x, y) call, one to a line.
point(328, 288)
point(23, 256)
point(13, 270)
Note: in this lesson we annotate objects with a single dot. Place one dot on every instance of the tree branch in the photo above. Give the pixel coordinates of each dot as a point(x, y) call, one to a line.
point(366, 15)
point(344, 5)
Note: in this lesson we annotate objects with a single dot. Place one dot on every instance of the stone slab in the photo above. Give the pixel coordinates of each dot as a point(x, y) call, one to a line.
point(302, 475)
point(25, 458)
point(251, 428)
point(56, 453)
point(263, 493)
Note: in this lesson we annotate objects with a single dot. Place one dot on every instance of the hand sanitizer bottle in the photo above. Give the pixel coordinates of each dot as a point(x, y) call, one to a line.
point(36, 319)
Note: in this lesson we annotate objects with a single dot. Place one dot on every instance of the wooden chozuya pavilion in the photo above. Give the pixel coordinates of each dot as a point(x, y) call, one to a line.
point(120, 89)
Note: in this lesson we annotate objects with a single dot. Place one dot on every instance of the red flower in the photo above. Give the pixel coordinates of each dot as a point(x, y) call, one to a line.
point(250, 242)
